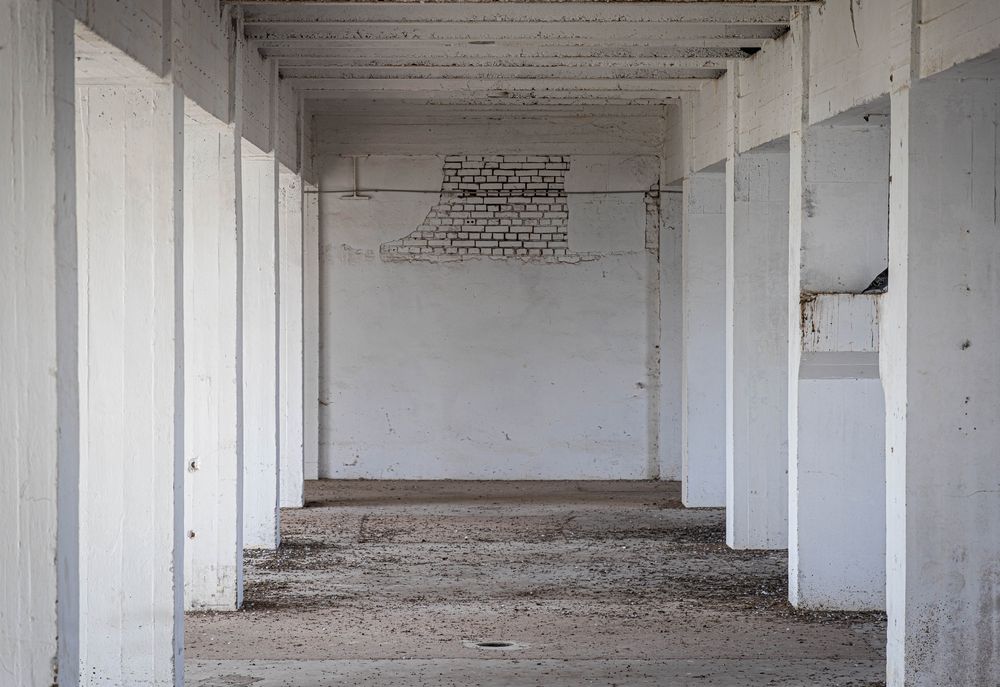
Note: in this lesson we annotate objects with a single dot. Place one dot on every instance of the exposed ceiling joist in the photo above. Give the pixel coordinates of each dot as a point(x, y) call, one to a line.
point(519, 51)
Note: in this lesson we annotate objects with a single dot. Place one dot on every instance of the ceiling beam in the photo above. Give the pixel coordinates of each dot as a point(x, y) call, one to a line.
point(391, 64)
point(394, 12)
point(288, 71)
point(403, 53)
point(704, 33)
point(489, 85)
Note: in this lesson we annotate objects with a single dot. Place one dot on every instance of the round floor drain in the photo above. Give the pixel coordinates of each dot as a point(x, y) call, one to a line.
point(494, 645)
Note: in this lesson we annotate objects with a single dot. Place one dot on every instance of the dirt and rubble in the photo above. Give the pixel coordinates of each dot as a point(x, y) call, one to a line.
point(568, 571)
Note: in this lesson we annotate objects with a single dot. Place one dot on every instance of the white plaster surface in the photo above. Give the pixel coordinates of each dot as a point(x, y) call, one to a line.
point(213, 479)
point(290, 343)
point(39, 430)
point(757, 460)
point(129, 174)
point(260, 352)
point(703, 480)
point(477, 368)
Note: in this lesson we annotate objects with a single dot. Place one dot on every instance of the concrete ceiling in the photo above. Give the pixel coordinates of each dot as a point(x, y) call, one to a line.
point(499, 53)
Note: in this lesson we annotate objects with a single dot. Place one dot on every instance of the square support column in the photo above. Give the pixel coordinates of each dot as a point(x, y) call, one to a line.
point(310, 329)
point(837, 470)
point(757, 457)
point(213, 478)
point(941, 370)
point(260, 348)
point(39, 421)
point(129, 185)
point(704, 340)
point(671, 330)
point(290, 344)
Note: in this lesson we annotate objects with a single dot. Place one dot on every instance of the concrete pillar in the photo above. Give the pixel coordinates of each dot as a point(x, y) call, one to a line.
point(213, 477)
point(671, 327)
point(941, 322)
point(757, 454)
point(310, 329)
point(39, 422)
point(260, 347)
point(837, 473)
point(129, 182)
point(704, 340)
point(290, 344)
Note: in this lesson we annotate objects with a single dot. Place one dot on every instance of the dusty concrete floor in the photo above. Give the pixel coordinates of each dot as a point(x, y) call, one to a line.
point(596, 583)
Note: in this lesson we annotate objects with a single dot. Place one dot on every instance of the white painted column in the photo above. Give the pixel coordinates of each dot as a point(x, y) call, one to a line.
point(671, 328)
point(703, 380)
point(39, 422)
point(260, 348)
point(290, 344)
point(213, 478)
point(838, 469)
point(942, 379)
point(310, 329)
point(129, 181)
point(757, 456)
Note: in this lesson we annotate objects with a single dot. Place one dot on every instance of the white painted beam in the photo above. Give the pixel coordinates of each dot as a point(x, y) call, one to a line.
point(561, 12)
point(39, 423)
point(542, 74)
point(389, 63)
point(510, 53)
point(371, 86)
point(689, 33)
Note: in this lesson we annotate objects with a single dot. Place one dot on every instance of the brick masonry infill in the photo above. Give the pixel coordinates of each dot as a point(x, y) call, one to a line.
point(503, 206)
point(494, 205)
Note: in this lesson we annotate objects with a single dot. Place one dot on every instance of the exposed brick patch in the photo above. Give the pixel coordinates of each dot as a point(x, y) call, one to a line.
point(494, 205)
point(503, 206)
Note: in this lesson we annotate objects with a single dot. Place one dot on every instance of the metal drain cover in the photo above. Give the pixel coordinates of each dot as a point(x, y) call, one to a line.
point(494, 645)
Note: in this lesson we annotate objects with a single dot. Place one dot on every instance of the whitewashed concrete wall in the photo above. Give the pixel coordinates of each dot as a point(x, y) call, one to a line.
point(129, 147)
point(39, 430)
point(484, 368)
point(213, 478)
point(260, 348)
point(290, 342)
point(703, 429)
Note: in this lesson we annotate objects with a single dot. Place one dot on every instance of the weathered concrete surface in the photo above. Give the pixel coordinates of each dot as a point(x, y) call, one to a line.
point(603, 582)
